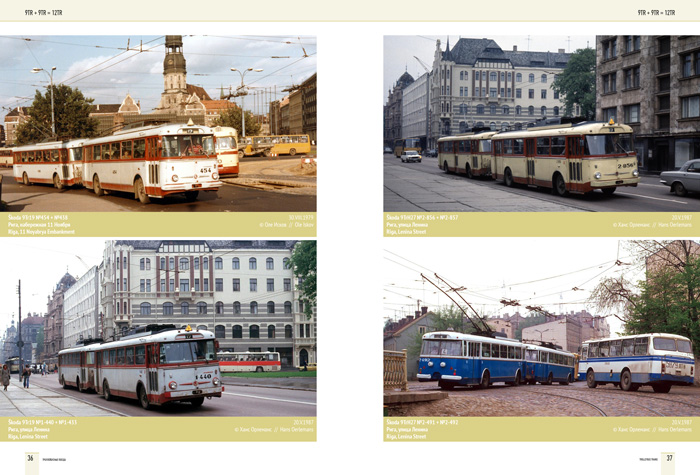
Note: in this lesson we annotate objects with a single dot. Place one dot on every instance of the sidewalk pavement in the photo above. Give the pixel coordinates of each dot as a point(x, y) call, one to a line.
point(39, 402)
point(300, 384)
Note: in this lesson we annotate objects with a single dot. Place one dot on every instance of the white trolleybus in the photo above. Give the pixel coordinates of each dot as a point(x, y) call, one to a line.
point(55, 163)
point(250, 361)
point(659, 360)
point(468, 154)
point(577, 158)
point(153, 161)
point(226, 147)
point(155, 367)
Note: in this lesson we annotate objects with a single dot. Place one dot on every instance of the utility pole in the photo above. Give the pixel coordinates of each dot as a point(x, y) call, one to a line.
point(20, 343)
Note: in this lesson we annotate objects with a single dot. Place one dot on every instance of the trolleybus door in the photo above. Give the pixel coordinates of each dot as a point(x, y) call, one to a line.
point(574, 155)
point(530, 158)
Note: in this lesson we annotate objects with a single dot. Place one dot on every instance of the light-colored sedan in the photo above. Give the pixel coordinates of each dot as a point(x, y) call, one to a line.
point(411, 156)
point(684, 180)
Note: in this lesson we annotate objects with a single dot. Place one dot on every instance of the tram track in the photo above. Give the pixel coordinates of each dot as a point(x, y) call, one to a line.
point(601, 411)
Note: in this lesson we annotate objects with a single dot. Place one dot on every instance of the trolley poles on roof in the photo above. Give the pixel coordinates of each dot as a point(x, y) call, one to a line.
point(50, 75)
point(242, 93)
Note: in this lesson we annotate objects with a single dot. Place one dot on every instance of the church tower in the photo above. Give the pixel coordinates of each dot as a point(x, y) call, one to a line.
point(174, 74)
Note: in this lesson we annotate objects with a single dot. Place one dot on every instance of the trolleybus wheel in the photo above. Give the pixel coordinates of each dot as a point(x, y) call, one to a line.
point(679, 189)
point(63, 382)
point(25, 179)
point(197, 401)
point(191, 195)
point(485, 380)
point(661, 388)
point(77, 383)
point(508, 178)
point(106, 391)
point(259, 369)
point(96, 186)
point(57, 182)
point(143, 397)
point(590, 379)
point(292, 151)
point(140, 191)
point(468, 171)
point(558, 184)
point(626, 380)
point(516, 382)
point(550, 378)
point(609, 191)
point(568, 380)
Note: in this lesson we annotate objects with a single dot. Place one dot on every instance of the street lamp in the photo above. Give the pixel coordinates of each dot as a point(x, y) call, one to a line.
point(242, 74)
point(50, 75)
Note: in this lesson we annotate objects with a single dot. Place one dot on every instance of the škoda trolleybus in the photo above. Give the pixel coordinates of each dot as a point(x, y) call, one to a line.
point(547, 365)
point(5, 157)
point(402, 145)
point(249, 361)
point(468, 153)
point(57, 163)
point(567, 158)
point(226, 147)
point(155, 367)
point(659, 360)
point(458, 359)
point(153, 161)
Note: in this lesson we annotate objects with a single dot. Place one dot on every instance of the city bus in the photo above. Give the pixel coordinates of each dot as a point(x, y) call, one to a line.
point(13, 364)
point(153, 161)
point(226, 146)
point(5, 157)
point(468, 154)
point(402, 145)
point(155, 366)
point(659, 360)
point(249, 361)
point(548, 365)
point(58, 163)
point(458, 359)
point(269, 145)
point(567, 158)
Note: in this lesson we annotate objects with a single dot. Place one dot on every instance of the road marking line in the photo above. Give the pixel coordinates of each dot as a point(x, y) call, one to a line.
point(226, 393)
point(652, 198)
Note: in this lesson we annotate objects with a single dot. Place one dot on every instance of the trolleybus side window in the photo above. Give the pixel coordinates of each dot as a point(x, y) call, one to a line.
point(139, 148)
point(511, 353)
point(543, 356)
point(543, 146)
point(558, 144)
point(140, 355)
point(641, 346)
point(130, 356)
point(616, 348)
point(120, 356)
point(474, 349)
point(486, 350)
point(593, 350)
point(604, 349)
point(126, 150)
point(628, 347)
point(504, 352)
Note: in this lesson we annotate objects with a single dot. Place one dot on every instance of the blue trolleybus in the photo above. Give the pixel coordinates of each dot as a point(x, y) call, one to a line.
point(659, 360)
point(547, 365)
point(458, 359)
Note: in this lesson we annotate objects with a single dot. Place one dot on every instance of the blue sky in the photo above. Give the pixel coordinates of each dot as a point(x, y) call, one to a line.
point(103, 69)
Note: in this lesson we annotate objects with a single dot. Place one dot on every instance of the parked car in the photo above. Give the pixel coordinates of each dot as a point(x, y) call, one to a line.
point(684, 180)
point(388, 150)
point(411, 156)
point(431, 153)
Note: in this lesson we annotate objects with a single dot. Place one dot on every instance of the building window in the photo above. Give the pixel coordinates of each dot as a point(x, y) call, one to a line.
point(543, 78)
point(185, 308)
point(518, 110)
point(530, 93)
point(270, 285)
point(252, 263)
point(184, 263)
point(492, 109)
point(506, 110)
point(235, 263)
point(202, 308)
point(287, 285)
point(287, 307)
point(162, 262)
point(219, 308)
point(145, 308)
point(184, 285)
point(609, 49)
point(205, 263)
point(237, 307)
point(196, 285)
point(219, 332)
point(236, 285)
point(162, 285)
point(532, 78)
point(270, 331)
point(167, 308)
point(477, 75)
point(253, 307)
point(518, 77)
point(270, 307)
point(631, 113)
point(556, 94)
point(218, 263)
point(690, 107)
point(171, 285)
point(632, 44)
point(480, 109)
point(269, 263)
point(253, 285)
point(254, 331)
point(610, 114)
point(142, 287)
point(493, 92)
point(219, 285)
point(531, 110)
point(609, 83)
point(556, 111)
point(543, 111)
point(288, 331)
point(543, 94)
point(285, 263)
point(237, 331)
point(493, 77)
point(142, 264)
point(631, 77)
point(518, 93)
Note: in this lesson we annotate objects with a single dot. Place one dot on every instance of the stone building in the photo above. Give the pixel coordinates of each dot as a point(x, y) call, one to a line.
point(308, 102)
point(17, 116)
point(53, 320)
point(81, 315)
point(404, 334)
point(568, 330)
point(415, 108)
point(652, 83)
point(393, 115)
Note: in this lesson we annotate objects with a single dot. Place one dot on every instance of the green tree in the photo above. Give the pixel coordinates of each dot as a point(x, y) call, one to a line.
point(446, 318)
point(303, 263)
point(577, 83)
point(71, 114)
point(231, 117)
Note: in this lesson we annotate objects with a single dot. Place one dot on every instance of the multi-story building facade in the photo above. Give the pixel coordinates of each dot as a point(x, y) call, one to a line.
point(53, 320)
point(243, 291)
point(652, 83)
point(393, 115)
point(295, 113)
point(81, 309)
point(308, 91)
point(415, 110)
point(477, 84)
point(17, 116)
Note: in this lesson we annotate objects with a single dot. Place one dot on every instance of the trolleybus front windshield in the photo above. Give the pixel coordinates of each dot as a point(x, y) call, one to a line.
point(225, 143)
point(187, 351)
point(187, 145)
point(442, 348)
point(606, 144)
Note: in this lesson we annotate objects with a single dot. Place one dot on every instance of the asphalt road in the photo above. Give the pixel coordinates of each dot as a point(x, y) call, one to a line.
point(237, 401)
point(402, 181)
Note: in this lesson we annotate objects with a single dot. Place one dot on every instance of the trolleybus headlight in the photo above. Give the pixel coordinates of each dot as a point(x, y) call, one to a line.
point(430, 364)
point(598, 175)
point(175, 178)
point(442, 365)
point(216, 382)
point(215, 176)
point(172, 385)
point(635, 173)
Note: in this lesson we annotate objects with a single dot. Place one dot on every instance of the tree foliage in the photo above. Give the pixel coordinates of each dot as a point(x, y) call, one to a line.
point(71, 114)
point(577, 83)
point(231, 117)
point(445, 318)
point(303, 263)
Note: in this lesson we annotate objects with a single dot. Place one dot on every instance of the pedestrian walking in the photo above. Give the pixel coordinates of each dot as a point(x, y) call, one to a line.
point(5, 376)
point(25, 375)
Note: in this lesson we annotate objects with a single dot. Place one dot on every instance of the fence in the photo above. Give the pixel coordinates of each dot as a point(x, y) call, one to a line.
point(395, 372)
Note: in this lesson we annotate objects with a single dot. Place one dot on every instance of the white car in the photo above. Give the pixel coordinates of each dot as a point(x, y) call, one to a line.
point(411, 156)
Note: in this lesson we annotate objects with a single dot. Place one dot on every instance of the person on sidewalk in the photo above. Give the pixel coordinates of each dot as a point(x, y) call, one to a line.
point(5, 376)
point(25, 375)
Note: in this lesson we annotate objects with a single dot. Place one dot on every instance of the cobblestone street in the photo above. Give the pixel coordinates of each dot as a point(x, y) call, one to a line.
point(575, 400)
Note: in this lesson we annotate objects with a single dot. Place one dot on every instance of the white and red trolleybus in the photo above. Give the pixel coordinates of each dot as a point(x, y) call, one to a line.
point(153, 161)
point(155, 367)
point(57, 163)
point(249, 361)
point(226, 147)
point(468, 153)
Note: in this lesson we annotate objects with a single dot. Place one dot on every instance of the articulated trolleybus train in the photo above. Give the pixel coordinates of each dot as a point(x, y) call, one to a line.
point(659, 360)
point(249, 361)
point(150, 161)
point(457, 359)
point(155, 367)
